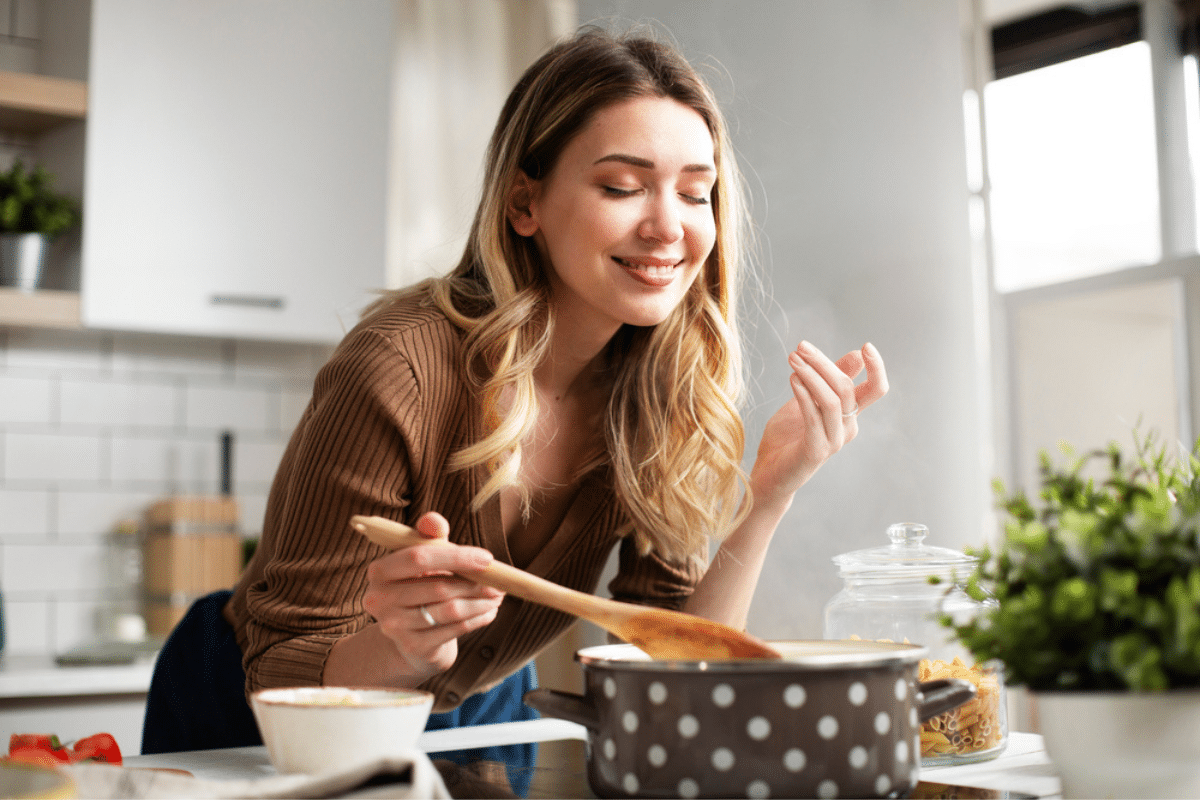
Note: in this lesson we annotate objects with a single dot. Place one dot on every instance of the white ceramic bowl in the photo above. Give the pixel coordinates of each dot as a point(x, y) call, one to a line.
point(312, 729)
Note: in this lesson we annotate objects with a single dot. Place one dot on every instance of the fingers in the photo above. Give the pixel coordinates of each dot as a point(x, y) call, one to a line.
point(876, 384)
point(828, 388)
point(420, 601)
point(433, 525)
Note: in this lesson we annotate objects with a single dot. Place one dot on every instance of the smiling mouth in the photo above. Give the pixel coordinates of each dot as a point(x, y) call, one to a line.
point(652, 272)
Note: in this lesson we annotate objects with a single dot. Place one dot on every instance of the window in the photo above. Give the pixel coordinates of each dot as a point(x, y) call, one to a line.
point(1091, 219)
point(1074, 177)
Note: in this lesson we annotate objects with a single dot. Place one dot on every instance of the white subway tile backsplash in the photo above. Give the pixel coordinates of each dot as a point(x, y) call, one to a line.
point(41, 568)
point(168, 465)
point(78, 622)
point(59, 351)
point(94, 427)
point(28, 625)
point(120, 404)
point(256, 461)
point(222, 406)
point(274, 360)
point(253, 506)
point(52, 457)
point(97, 513)
point(292, 403)
point(26, 399)
point(140, 353)
point(24, 513)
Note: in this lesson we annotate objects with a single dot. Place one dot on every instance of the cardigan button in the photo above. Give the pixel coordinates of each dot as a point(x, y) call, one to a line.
point(486, 653)
point(452, 697)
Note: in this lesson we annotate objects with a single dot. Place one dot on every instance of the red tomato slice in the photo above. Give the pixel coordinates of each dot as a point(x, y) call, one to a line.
point(99, 747)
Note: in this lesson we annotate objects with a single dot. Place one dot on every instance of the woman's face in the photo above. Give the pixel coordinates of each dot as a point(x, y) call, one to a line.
point(625, 218)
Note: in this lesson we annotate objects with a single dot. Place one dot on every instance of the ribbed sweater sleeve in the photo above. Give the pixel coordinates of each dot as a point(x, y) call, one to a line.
point(387, 412)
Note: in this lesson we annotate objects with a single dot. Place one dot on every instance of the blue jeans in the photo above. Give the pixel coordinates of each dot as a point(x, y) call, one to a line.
point(197, 698)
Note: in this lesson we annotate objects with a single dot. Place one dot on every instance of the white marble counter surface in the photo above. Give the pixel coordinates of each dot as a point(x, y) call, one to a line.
point(41, 676)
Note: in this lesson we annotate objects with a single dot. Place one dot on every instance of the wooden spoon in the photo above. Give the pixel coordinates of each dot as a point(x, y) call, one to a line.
point(660, 633)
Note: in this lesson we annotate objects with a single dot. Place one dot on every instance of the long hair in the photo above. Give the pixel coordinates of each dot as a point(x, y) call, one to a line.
point(673, 436)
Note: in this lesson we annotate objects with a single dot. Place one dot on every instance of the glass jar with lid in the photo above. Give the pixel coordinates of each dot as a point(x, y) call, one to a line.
point(898, 593)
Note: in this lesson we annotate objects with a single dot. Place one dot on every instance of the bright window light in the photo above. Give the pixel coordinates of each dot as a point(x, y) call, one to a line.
point(1072, 169)
point(1191, 83)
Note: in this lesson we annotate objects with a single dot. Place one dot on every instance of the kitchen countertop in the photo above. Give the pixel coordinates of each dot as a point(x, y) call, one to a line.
point(1022, 767)
point(42, 676)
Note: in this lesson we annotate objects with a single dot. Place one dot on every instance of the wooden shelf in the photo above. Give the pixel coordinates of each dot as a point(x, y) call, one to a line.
point(39, 309)
point(36, 103)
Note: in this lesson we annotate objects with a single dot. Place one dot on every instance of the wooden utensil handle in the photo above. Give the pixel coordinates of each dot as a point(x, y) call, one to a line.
point(505, 577)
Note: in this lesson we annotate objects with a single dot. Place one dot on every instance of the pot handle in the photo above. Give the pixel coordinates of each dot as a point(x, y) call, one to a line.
point(571, 707)
point(938, 697)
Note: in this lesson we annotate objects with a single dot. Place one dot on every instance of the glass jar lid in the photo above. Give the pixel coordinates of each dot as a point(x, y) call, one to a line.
point(906, 557)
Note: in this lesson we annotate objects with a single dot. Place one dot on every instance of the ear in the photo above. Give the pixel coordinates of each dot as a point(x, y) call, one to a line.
point(520, 205)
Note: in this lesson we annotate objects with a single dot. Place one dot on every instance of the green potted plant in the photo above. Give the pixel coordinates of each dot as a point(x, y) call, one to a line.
point(31, 214)
point(1097, 613)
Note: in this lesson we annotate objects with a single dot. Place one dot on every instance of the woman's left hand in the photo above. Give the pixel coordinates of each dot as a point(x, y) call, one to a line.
point(821, 417)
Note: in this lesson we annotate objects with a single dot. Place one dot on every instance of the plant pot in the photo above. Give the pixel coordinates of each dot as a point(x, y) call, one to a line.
point(1123, 744)
point(22, 256)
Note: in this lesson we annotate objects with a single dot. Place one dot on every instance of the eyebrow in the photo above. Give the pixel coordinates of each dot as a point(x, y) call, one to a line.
point(646, 163)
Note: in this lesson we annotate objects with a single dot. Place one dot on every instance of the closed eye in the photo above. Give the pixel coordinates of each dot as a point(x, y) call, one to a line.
point(694, 200)
point(615, 192)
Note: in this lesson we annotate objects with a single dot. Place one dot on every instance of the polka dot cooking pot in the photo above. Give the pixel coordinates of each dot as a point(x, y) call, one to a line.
point(832, 719)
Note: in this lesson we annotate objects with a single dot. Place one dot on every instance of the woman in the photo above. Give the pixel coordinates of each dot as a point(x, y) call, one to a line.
point(571, 387)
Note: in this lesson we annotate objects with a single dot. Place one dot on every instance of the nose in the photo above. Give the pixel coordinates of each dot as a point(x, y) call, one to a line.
point(662, 223)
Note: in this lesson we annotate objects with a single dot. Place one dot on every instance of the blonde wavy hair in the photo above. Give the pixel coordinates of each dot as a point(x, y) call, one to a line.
point(673, 435)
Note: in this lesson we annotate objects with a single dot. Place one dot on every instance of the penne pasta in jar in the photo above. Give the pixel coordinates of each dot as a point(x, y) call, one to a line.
point(901, 593)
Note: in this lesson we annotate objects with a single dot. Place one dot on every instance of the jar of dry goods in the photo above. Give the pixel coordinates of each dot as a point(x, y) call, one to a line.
point(899, 592)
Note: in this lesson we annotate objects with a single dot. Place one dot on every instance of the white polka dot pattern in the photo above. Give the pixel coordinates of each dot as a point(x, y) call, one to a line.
point(720, 736)
point(758, 728)
point(827, 727)
point(758, 789)
point(723, 759)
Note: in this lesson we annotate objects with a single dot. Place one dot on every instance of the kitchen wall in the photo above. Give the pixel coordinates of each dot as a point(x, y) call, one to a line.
point(848, 119)
point(93, 428)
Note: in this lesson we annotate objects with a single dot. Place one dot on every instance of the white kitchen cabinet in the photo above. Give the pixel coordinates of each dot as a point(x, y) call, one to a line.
point(236, 166)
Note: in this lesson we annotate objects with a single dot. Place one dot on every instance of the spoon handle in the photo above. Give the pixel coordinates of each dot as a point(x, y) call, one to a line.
point(505, 577)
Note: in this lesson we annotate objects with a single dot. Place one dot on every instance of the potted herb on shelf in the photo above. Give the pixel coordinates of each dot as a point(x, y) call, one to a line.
point(1097, 586)
point(31, 214)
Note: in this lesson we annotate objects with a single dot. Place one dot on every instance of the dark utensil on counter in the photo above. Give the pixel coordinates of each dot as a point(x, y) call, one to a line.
point(831, 719)
point(660, 633)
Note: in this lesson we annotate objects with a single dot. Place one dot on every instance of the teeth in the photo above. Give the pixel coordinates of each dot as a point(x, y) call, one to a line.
point(653, 271)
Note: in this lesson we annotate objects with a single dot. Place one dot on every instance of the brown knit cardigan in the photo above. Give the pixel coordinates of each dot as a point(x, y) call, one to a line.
point(387, 411)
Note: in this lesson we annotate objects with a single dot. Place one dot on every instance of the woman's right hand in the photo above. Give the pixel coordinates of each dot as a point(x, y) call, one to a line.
point(420, 604)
